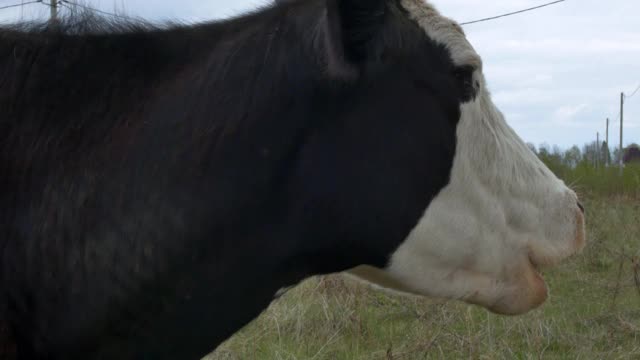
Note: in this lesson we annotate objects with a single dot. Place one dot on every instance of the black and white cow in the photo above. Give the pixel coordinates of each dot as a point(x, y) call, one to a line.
point(158, 186)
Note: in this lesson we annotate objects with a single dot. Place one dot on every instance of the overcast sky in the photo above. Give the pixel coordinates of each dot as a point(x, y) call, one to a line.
point(556, 73)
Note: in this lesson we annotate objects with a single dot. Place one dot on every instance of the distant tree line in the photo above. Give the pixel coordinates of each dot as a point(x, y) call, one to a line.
point(594, 168)
point(591, 154)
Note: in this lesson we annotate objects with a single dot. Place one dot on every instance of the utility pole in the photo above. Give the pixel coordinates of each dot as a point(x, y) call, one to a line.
point(597, 150)
point(621, 132)
point(607, 154)
point(54, 11)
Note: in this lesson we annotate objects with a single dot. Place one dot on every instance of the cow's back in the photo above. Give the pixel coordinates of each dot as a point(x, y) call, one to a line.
point(136, 170)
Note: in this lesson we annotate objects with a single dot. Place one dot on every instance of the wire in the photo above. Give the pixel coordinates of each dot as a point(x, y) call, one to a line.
point(62, 4)
point(127, 17)
point(512, 13)
point(626, 97)
point(22, 4)
point(49, 4)
point(93, 9)
point(615, 122)
point(634, 92)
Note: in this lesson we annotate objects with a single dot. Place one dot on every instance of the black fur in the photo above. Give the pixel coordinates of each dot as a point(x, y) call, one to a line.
point(159, 185)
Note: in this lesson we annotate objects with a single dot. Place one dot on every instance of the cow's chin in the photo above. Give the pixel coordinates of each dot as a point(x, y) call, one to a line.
point(522, 291)
point(517, 289)
point(515, 292)
point(527, 289)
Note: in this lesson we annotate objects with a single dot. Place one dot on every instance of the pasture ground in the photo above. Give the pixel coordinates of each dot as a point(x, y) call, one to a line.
point(593, 312)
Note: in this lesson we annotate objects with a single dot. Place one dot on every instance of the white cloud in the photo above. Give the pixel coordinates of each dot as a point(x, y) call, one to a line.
point(566, 115)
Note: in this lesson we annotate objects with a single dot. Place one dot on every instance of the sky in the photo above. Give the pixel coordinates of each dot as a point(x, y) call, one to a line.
point(556, 73)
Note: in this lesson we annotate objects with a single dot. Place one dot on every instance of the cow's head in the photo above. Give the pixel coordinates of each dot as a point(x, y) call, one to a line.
point(441, 188)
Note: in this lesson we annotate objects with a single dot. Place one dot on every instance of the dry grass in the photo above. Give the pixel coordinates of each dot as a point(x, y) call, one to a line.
point(593, 312)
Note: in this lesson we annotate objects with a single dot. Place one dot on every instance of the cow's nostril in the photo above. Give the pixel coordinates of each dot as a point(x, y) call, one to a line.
point(581, 207)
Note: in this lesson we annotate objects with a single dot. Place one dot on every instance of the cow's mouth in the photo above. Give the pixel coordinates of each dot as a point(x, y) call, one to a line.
point(537, 274)
point(535, 265)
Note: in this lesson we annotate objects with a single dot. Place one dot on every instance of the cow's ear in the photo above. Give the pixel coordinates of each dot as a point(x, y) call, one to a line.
point(352, 33)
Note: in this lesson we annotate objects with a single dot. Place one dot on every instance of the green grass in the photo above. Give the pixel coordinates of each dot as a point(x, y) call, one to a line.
point(593, 312)
point(600, 182)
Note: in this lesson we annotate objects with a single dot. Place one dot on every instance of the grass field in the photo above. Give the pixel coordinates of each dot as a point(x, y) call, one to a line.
point(593, 312)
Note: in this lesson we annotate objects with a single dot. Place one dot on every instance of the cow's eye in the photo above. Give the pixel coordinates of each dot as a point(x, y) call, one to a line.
point(464, 80)
point(464, 75)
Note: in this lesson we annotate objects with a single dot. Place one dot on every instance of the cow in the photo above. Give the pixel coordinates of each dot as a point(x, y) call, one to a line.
point(160, 184)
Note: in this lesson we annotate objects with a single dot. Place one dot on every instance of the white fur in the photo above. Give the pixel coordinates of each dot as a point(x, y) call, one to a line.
point(443, 30)
point(501, 210)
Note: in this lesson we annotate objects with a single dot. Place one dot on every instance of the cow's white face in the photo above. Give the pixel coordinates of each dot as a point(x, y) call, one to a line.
point(502, 216)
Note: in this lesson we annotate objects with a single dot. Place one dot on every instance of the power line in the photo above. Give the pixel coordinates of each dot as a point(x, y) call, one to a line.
point(614, 121)
point(67, 3)
point(626, 97)
point(634, 92)
point(62, 2)
point(512, 13)
point(18, 5)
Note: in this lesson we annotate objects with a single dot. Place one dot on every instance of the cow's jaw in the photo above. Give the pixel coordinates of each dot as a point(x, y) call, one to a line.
point(502, 217)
